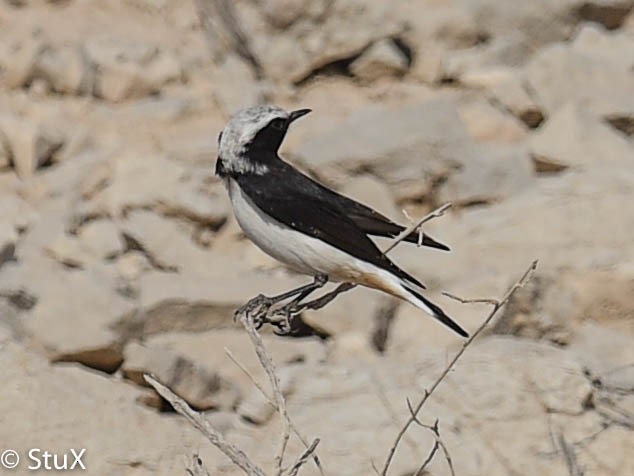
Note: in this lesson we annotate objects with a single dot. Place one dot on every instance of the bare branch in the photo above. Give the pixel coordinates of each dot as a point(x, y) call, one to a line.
point(278, 397)
point(570, 457)
point(272, 403)
point(414, 414)
point(438, 212)
point(235, 454)
point(303, 458)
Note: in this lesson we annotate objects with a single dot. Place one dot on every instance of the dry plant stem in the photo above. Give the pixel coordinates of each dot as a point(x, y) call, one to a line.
point(496, 307)
point(236, 455)
point(273, 405)
point(438, 212)
point(269, 367)
point(303, 458)
point(569, 456)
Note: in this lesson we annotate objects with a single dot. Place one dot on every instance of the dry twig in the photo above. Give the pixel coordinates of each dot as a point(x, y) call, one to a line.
point(237, 456)
point(413, 418)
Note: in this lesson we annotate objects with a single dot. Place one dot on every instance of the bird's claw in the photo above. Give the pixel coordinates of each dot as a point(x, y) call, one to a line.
point(255, 308)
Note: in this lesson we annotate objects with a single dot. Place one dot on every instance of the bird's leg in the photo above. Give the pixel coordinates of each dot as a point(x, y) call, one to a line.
point(281, 318)
point(326, 298)
point(262, 303)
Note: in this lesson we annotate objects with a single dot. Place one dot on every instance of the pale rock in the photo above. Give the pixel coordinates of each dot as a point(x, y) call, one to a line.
point(572, 137)
point(509, 50)
point(19, 61)
point(30, 144)
point(235, 86)
point(158, 108)
point(594, 41)
point(196, 201)
point(17, 212)
point(198, 386)
point(283, 13)
point(374, 193)
point(100, 238)
point(131, 265)
point(412, 145)
point(67, 403)
point(383, 58)
point(487, 123)
point(166, 243)
point(129, 70)
point(133, 180)
point(328, 32)
point(68, 251)
point(498, 172)
point(512, 94)
point(256, 408)
point(74, 312)
point(8, 240)
point(558, 74)
point(211, 350)
point(67, 70)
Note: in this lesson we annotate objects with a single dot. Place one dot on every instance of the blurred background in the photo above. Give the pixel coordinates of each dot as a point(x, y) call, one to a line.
point(119, 254)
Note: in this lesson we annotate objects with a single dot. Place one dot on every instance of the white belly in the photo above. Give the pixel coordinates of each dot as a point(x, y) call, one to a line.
point(299, 251)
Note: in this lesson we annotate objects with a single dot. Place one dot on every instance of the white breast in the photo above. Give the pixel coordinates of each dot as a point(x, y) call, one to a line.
point(301, 252)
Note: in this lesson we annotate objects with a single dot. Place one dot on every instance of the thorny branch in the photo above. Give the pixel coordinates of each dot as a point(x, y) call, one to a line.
point(413, 418)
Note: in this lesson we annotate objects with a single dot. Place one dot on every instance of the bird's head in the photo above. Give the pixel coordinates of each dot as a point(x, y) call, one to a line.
point(253, 134)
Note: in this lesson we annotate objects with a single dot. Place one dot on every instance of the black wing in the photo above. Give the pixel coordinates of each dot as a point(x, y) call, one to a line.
point(368, 220)
point(297, 207)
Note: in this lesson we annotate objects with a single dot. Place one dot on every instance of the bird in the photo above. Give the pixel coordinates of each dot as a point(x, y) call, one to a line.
point(304, 224)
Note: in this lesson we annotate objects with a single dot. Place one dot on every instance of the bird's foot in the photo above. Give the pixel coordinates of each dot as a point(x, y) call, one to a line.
point(256, 309)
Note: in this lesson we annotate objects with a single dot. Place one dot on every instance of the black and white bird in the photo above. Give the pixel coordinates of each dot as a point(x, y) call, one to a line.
point(303, 224)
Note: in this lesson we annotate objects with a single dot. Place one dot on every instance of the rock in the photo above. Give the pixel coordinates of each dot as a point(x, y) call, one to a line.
point(68, 70)
point(5, 152)
point(17, 212)
point(61, 409)
point(327, 33)
point(197, 202)
point(487, 123)
point(572, 137)
point(74, 312)
point(413, 145)
point(131, 180)
point(8, 240)
point(101, 239)
point(257, 409)
point(383, 58)
point(512, 93)
point(594, 41)
point(129, 70)
point(609, 13)
point(374, 193)
point(235, 86)
point(167, 245)
point(558, 75)
point(31, 145)
point(19, 61)
point(199, 387)
point(509, 50)
point(209, 350)
point(68, 251)
point(496, 173)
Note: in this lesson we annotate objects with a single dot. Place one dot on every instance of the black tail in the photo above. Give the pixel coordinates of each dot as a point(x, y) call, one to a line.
point(436, 312)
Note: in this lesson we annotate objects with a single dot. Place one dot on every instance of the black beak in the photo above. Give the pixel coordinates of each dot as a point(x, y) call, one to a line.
point(293, 116)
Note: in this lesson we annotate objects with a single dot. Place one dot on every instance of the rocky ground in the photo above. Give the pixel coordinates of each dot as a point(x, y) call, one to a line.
point(119, 254)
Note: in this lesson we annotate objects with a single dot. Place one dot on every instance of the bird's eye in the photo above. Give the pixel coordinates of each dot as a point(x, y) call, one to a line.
point(219, 137)
point(279, 124)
